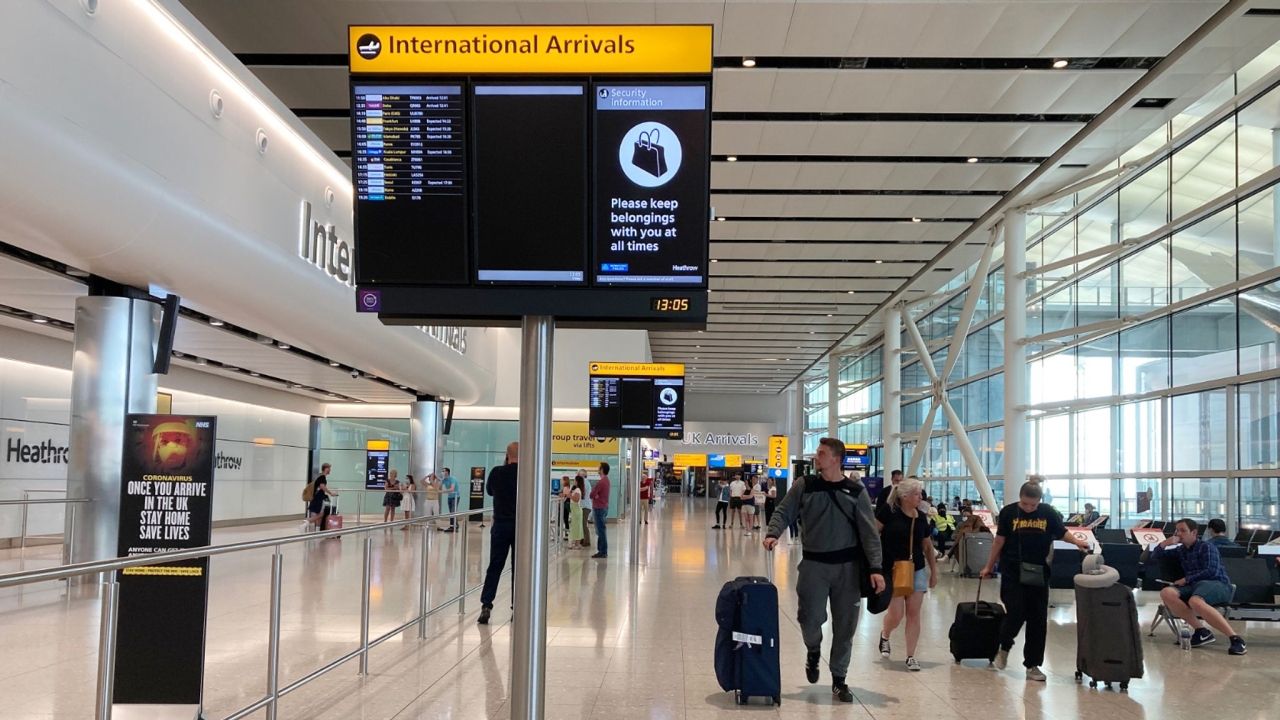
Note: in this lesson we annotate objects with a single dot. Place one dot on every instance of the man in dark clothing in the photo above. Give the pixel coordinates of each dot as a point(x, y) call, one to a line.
point(835, 516)
point(600, 510)
point(1033, 528)
point(895, 477)
point(501, 486)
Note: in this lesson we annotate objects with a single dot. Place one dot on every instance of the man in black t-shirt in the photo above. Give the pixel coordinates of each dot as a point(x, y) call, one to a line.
point(1025, 534)
point(895, 477)
point(501, 486)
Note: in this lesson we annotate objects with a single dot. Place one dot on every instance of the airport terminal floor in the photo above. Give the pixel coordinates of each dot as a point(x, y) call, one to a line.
point(621, 643)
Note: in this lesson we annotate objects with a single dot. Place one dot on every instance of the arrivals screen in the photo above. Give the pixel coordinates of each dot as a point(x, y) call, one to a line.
point(856, 457)
point(636, 400)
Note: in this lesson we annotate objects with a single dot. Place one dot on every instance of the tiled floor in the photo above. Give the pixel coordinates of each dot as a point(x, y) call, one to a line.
point(621, 643)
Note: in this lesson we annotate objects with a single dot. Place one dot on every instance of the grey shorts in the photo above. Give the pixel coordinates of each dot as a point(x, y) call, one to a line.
point(1211, 591)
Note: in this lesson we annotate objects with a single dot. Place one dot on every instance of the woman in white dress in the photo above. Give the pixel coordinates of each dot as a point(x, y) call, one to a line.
point(410, 504)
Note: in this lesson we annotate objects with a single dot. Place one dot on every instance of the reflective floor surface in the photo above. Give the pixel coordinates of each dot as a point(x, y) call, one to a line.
point(621, 643)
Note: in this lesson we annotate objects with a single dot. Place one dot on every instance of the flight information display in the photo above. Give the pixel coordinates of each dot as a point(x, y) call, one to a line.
point(636, 400)
point(408, 163)
point(651, 181)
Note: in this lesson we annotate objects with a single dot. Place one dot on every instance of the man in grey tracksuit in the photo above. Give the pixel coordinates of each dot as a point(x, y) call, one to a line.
point(831, 568)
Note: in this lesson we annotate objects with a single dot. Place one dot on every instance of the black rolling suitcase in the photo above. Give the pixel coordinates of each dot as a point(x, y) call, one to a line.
point(747, 661)
point(976, 632)
point(1108, 639)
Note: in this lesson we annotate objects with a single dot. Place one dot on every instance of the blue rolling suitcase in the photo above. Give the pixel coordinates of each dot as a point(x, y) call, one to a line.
point(747, 659)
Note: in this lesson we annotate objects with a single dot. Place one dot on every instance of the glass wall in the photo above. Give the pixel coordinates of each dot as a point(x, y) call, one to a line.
point(1153, 361)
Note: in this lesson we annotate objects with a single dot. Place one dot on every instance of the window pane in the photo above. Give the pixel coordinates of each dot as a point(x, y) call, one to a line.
point(1053, 441)
point(995, 398)
point(1094, 443)
point(1141, 499)
point(1259, 445)
point(1204, 342)
point(1259, 328)
point(1256, 134)
point(1144, 203)
point(1258, 498)
point(1096, 367)
point(1204, 169)
point(1140, 429)
point(1199, 498)
point(1198, 433)
point(1204, 256)
point(1144, 280)
point(1257, 233)
point(1144, 357)
point(1096, 493)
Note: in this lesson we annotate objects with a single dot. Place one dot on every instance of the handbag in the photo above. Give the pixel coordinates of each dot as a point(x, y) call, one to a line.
point(649, 156)
point(904, 571)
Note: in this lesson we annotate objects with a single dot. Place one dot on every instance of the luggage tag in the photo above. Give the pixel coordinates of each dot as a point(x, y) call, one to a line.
point(745, 639)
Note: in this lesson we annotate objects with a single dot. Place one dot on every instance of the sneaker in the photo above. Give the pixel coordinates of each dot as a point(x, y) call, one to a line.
point(1237, 646)
point(841, 691)
point(884, 647)
point(811, 666)
point(746, 534)
point(599, 556)
point(1202, 637)
point(1034, 674)
point(305, 525)
point(484, 615)
point(715, 527)
point(912, 665)
point(1002, 659)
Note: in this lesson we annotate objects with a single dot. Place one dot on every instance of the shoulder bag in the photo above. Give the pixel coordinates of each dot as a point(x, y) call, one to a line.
point(904, 571)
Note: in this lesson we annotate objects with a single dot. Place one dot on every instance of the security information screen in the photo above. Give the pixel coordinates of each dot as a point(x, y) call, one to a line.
point(636, 400)
point(651, 183)
point(530, 162)
point(408, 164)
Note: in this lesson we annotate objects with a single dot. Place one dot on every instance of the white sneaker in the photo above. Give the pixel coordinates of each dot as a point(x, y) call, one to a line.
point(912, 665)
point(1035, 675)
point(306, 524)
point(1002, 659)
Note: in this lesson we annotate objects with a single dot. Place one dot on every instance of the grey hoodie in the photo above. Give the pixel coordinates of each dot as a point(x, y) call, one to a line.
point(825, 520)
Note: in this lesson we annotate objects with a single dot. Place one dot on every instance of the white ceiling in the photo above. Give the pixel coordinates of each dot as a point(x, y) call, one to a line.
point(816, 200)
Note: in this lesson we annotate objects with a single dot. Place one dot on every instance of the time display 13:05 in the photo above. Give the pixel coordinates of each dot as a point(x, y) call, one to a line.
point(669, 304)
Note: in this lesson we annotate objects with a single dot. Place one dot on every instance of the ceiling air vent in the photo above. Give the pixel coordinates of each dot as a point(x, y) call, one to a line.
point(1152, 103)
point(1263, 12)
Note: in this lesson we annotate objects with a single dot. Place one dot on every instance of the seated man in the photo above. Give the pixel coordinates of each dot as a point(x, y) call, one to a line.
point(1205, 585)
point(1090, 515)
point(1217, 534)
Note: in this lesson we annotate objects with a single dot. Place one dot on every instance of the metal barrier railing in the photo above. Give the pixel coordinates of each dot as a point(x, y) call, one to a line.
point(111, 588)
point(26, 502)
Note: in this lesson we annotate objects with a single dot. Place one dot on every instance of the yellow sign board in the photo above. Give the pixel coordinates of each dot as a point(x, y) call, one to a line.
point(689, 460)
point(573, 438)
point(778, 455)
point(377, 445)
point(733, 461)
point(642, 369)
point(530, 49)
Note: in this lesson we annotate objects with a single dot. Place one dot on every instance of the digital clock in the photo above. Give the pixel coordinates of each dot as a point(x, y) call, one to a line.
point(669, 304)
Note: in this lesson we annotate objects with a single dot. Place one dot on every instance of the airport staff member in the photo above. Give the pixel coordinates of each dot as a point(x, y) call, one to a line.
point(1024, 536)
point(828, 505)
point(501, 486)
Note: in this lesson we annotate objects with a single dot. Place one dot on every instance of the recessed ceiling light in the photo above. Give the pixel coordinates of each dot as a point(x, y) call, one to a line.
point(973, 160)
point(732, 158)
point(1059, 64)
point(201, 361)
point(404, 387)
point(748, 62)
point(283, 346)
point(333, 363)
point(851, 291)
point(254, 374)
point(879, 262)
point(39, 320)
point(828, 314)
point(721, 219)
point(915, 219)
point(215, 322)
point(714, 260)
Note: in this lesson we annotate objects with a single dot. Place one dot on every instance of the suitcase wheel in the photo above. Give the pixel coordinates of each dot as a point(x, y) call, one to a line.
point(1108, 686)
point(1124, 687)
point(777, 700)
point(1093, 683)
point(1079, 678)
point(742, 699)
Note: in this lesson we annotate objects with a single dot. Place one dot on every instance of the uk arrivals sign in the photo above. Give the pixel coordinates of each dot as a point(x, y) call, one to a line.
point(166, 504)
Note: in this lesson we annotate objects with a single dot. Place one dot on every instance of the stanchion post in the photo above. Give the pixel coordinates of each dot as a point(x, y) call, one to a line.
point(423, 593)
point(22, 552)
point(462, 566)
point(637, 468)
point(364, 605)
point(273, 642)
point(107, 648)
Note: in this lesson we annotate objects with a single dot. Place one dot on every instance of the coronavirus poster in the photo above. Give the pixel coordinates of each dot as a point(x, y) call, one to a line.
point(166, 504)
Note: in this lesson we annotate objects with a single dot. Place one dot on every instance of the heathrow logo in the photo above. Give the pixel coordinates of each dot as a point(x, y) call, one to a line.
point(369, 46)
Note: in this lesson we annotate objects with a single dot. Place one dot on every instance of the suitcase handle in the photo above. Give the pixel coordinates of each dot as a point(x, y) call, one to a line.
point(979, 598)
point(768, 565)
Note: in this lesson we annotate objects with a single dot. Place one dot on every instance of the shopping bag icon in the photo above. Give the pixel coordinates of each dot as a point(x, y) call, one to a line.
point(649, 156)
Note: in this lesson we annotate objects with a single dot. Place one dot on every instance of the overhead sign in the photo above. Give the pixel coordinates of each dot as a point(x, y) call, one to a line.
point(166, 504)
point(778, 473)
point(574, 438)
point(530, 49)
point(636, 400)
point(778, 452)
point(856, 456)
point(689, 460)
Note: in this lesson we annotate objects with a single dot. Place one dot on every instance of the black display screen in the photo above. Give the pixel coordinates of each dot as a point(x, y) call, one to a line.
point(636, 406)
point(651, 197)
point(408, 164)
point(530, 193)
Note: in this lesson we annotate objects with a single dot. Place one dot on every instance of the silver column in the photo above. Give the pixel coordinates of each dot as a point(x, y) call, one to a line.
point(115, 341)
point(637, 472)
point(833, 395)
point(891, 458)
point(1015, 354)
point(426, 443)
point(529, 626)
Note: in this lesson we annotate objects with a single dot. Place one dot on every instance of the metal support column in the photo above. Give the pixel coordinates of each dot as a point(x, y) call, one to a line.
point(426, 443)
point(529, 627)
point(797, 423)
point(892, 421)
point(833, 395)
point(637, 473)
point(1015, 353)
point(273, 639)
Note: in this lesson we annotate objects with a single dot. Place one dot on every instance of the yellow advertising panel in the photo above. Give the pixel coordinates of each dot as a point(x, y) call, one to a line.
point(778, 451)
point(530, 49)
point(689, 460)
point(641, 369)
point(572, 438)
point(733, 461)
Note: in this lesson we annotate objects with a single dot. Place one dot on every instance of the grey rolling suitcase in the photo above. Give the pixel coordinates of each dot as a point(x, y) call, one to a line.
point(1108, 647)
point(975, 553)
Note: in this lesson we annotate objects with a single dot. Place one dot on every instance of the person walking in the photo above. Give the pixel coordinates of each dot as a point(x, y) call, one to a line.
point(449, 488)
point(410, 503)
point(501, 486)
point(600, 509)
point(391, 498)
point(588, 518)
point(319, 507)
point(895, 477)
point(576, 492)
point(722, 505)
point(840, 543)
point(1024, 536)
point(905, 537)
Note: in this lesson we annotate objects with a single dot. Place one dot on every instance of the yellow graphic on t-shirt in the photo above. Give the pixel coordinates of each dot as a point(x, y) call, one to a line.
point(1037, 524)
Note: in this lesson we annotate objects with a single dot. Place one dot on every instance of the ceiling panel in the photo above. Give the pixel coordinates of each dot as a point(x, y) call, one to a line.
point(38, 291)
